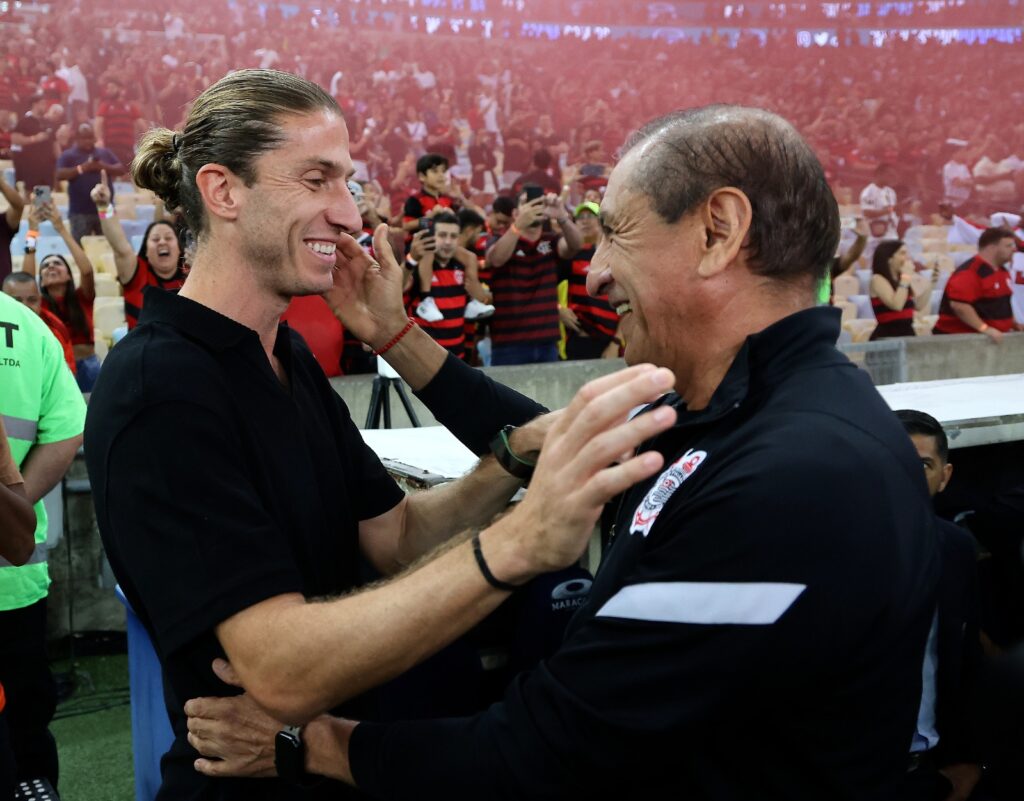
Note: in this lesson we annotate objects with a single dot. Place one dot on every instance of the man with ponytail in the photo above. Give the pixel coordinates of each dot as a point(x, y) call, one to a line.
point(233, 492)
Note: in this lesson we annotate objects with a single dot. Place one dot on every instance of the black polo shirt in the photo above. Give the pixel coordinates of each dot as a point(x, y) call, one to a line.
point(758, 623)
point(216, 487)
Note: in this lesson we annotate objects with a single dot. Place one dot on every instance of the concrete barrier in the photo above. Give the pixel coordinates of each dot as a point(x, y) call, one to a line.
point(925, 359)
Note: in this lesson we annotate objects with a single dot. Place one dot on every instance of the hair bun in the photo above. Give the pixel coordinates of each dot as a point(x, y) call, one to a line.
point(156, 166)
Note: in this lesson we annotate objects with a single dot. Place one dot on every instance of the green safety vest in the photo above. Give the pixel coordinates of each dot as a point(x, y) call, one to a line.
point(40, 403)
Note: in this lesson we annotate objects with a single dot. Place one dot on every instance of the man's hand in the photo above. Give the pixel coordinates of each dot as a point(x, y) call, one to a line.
point(569, 319)
point(963, 776)
point(530, 213)
point(1018, 326)
point(422, 243)
point(994, 334)
point(554, 208)
point(234, 736)
point(528, 439)
point(367, 294)
point(860, 228)
point(577, 473)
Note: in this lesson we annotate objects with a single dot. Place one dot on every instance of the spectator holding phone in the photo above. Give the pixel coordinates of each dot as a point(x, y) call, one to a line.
point(81, 166)
point(524, 329)
point(70, 304)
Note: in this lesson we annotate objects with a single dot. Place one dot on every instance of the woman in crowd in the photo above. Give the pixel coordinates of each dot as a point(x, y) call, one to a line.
point(71, 304)
point(158, 262)
point(893, 298)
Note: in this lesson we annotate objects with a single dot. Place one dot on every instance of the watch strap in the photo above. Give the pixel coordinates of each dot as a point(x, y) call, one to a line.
point(514, 464)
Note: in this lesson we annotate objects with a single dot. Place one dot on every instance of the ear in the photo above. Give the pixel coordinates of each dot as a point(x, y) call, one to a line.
point(220, 189)
point(726, 217)
point(947, 474)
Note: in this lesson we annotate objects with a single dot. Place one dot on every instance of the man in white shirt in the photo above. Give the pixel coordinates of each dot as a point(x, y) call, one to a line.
point(878, 206)
point(958, 182)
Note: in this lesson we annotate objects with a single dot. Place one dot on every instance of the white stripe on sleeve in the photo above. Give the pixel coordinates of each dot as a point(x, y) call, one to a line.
point(707, 603)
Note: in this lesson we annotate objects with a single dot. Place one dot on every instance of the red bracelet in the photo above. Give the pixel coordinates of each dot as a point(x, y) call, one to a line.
point(408, 327)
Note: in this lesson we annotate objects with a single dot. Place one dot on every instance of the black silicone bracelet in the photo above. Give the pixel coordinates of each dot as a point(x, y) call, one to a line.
point(493, 580)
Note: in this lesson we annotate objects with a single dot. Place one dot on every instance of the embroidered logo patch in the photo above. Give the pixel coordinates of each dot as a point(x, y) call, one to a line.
point(669, 481)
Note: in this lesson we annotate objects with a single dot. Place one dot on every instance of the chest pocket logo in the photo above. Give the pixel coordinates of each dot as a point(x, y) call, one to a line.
point(668, 482)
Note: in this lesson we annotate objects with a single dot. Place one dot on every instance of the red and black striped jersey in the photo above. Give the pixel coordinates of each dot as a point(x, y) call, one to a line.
point(595, 315)
point(118, 122)
point(986, 288)
point(422, 203)
point(142, 279)
point(884, 314)
point(525, 293)
point(448, 291)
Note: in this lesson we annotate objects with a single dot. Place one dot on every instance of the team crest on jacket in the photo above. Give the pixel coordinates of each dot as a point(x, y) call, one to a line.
point(654, 501)
point(544, 248)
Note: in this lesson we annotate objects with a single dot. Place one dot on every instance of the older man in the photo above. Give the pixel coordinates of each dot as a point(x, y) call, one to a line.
point(751, 633)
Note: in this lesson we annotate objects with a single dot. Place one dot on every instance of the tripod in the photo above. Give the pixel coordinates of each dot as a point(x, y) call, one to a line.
point(380, 401)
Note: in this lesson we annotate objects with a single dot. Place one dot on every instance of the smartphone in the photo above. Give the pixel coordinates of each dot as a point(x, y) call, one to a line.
point(534, 192)
point(41, 195)
point(427, 224)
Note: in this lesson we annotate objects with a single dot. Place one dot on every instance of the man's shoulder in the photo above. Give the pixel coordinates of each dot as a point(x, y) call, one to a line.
point(156, 363)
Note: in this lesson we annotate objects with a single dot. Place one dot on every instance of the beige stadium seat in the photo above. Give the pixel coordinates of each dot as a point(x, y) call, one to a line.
point(935, 232)
point(942, 262)
point(102, 346)
point(125, 206)
point(935, 246)
point(107, 286)
point(849, 310)
point(860, 329)
point(16, 261)
point(962, 247)
point(107, 315)
point(846, 285)
point(922, 282)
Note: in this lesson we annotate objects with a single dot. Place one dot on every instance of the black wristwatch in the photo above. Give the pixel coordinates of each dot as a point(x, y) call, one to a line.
point(516, 465)
point(290, 755)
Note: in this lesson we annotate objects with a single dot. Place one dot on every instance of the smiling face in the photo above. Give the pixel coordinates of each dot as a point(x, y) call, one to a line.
point(163, 250)
point(291, 218)
point(648, 268)
point(53, 272)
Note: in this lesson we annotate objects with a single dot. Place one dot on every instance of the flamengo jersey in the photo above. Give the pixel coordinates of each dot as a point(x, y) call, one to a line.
point(143, 278)
point(983, 286)
point(40, 403)
point(449, 293)
point(596, 317)
point(525, 293)
point(421, 204)
point(118, 122)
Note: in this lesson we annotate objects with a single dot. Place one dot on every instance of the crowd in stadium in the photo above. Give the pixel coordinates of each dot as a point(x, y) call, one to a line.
point(926, 115)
